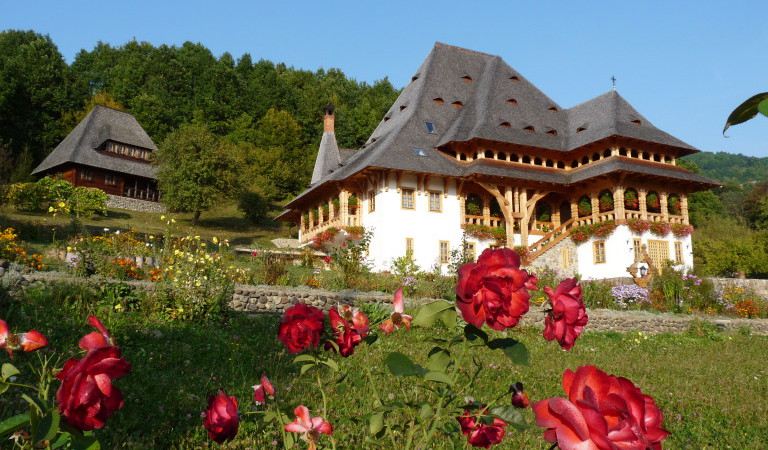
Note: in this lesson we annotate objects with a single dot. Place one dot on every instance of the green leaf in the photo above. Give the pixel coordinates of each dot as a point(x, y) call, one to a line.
point(35, 403)
point(472, 333)
point(763, 107)
point(439, 358)
point(13, 423)
point(47, 427)
point(439, 377)
point(515, 350)
point(8, 371)
point(306, 367)
point(304, 358)
point(4, 386)
point(400, 365)
point(426, 412)
point(746, 110)
point(429, 313)
point(448, 317)
point(86, 443)
point(290, 440)
point(331, 364)
point(509, 414)
point(376, 423)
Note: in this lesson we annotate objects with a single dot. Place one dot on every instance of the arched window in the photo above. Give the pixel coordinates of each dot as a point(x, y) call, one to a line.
point(473, 205)
point(605, 201)
point(489, 154)
point(631, 199)
point(585, 206)
point(653, 202)
point(543, 212)
point(674, 206)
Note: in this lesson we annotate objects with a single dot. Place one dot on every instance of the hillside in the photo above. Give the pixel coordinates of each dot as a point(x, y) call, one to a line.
point(730, 168)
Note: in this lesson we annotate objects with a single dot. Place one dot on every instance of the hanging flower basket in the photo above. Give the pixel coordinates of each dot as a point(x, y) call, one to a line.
point(638, 226)
point(660, 229)
point(473, 209)
point(674, 207)
point(584, 208)
point(681, 229)
point(653, 202)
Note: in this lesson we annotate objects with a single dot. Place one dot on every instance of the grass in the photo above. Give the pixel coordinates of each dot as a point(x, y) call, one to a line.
point(711, 387)
point(223, 221)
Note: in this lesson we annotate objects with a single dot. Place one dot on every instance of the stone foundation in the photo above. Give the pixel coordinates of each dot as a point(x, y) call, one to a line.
point(134, 204)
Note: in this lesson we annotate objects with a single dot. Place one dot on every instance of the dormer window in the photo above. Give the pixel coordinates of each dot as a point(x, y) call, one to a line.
point(580, 129)
point(467, 79)
point(505, 125)
point(457, 104)
point(514, 78)
point(438, 100)
point(529, 129)
point(552, 109)
point(430, 127)
point(637, 122)
point(512, 101)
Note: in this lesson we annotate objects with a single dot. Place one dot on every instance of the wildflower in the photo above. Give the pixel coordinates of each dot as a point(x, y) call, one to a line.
point(397, 318)
point(311, 427)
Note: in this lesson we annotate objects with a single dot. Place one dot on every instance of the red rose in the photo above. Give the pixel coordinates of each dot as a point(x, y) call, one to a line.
point(221, 419)
point(494, 291)
point(568, 316)
point(478, 433)
point(345, 335)
point(29, 341)
point(86, 396)
point(301, 327)
point(519, 397)
point(602, 411)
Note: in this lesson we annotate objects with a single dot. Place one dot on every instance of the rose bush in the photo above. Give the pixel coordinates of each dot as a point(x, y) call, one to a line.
point(86, 396)
point(493, 290)
point(221, 419)
point(301, 327)
point(478, 432)
point(567, 318)
point(602, 411)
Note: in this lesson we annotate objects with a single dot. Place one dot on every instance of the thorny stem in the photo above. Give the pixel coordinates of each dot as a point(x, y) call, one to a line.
point(325, 405)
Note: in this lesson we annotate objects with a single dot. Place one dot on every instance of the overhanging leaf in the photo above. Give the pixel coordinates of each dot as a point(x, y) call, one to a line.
point(515, 350)
point(429, 313)
point(400, 365)
point(304, 358)
point(8, 371)
point(746, 110)
point(331, 364)
point(509, 414)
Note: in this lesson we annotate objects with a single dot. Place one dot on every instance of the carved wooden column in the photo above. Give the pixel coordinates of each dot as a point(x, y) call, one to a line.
point(555, 217)
point(344, 206)
point(574, 208)
point(618, 203)
point(643, 206)
point(595, 203)
point(684, 208)
point(486, 210)
point(663, 203)
point(524, 221)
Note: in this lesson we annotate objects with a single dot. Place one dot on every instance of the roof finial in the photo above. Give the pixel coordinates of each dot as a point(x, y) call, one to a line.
point(613, 78)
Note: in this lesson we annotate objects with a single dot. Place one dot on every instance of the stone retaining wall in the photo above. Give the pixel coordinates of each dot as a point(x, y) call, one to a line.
point(275, 299)
point(134, 204)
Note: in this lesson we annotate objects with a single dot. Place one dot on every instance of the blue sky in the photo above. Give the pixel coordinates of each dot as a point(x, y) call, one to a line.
point(683, 64)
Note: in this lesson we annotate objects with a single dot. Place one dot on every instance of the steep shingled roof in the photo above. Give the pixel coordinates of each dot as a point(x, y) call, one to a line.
point(468, 95)
point(100, 125)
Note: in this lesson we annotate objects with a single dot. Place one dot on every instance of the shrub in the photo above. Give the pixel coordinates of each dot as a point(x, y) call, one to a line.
point(602, 230)
point(254, 207)
point(597, 294)
point(628, 296)
point(58, 195)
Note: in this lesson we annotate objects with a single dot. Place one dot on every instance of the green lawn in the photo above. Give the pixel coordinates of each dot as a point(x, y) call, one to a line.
point(224, 221)
point(712, 389)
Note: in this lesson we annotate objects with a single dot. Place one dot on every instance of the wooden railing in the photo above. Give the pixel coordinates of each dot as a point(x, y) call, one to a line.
point(549, 240)
point(307, 234)
point(481, 220)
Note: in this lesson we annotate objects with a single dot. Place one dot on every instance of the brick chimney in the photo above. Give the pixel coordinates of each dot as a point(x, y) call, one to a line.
point(328, 119)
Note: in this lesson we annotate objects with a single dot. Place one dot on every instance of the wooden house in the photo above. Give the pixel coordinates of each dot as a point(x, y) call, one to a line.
point(110, 151)
point(472, 154)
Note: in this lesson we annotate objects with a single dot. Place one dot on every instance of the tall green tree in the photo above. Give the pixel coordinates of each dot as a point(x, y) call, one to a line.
point(756, 206)
point(197, 170)
point(36, 87)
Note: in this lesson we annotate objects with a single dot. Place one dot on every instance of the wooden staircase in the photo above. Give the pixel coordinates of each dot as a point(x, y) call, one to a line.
point(551, 239)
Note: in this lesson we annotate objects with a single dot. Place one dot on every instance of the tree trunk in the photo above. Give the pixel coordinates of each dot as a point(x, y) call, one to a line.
point(196, 218)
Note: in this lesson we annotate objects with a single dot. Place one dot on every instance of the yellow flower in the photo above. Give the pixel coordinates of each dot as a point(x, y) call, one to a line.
point(162, 217)
point(173, 220)
point(215, 240)
point(61, 204)
point(50, 209)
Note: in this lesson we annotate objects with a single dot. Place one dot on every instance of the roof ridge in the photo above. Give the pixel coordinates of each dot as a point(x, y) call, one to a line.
point(442, 44)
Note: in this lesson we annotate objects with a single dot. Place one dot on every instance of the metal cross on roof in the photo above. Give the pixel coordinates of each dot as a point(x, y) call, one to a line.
point(613, 78)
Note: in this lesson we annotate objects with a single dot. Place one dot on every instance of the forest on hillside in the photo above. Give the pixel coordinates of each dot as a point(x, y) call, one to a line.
point(730, 168)
point(262, 110)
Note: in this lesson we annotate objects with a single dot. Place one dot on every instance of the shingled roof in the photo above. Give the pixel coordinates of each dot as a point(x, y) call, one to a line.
point(466, 95)
point(100, 125)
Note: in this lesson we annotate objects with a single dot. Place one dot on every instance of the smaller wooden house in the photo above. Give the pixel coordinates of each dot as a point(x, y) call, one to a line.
point(110, 151)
